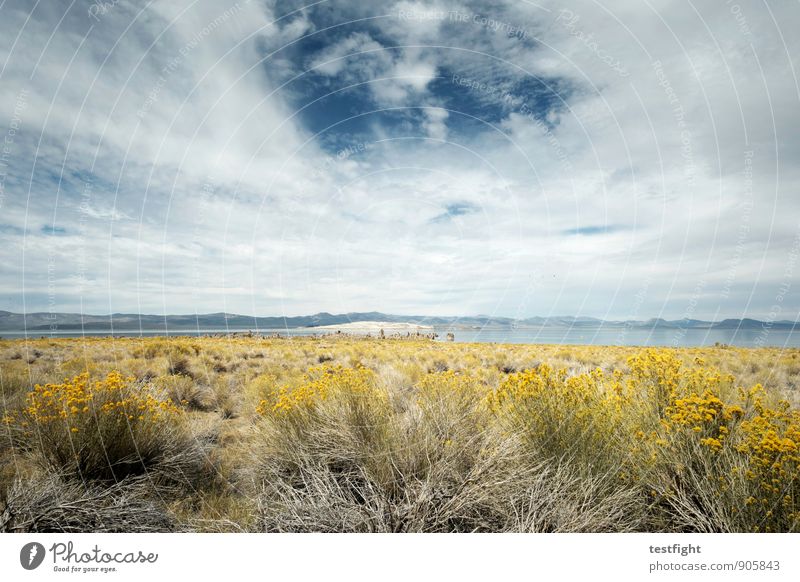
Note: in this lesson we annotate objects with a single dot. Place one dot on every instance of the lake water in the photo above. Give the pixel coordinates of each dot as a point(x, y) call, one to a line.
point(763, 337)
point(635, 337)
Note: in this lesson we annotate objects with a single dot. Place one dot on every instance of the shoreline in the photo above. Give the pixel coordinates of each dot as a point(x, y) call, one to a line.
point(376, 327)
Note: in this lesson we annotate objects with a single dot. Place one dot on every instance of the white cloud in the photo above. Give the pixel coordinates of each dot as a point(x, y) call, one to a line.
point(333, 60)
point(436, 122)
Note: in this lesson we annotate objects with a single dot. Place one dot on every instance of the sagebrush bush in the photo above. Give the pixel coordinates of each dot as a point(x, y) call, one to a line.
point(714, 464)
point(586, 419)
point(106, 429)
point(337, 416)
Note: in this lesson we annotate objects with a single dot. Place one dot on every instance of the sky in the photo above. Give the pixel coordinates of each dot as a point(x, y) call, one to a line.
point(621, 160)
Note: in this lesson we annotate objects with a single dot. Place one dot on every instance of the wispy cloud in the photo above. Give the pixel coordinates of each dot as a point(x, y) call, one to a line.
point(592, 230)
point(455, 209)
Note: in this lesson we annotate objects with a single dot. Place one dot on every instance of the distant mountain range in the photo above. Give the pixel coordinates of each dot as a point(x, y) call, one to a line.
point(45, 322)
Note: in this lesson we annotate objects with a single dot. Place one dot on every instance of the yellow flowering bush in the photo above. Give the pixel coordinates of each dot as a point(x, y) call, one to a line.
point(735, 458)
point(676, 425)
point(335, 419)
point(685, 400)
point(704, 415)
point(72, 399)
point(584, 417)
point(106, 428)
point(656, 375)
point(771, 442)
point(345, 401)
point(319, 384)
point(450, 403)
point(449, 392)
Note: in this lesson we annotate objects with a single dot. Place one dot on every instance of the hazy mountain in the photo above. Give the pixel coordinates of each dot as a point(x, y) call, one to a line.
point(41, 321)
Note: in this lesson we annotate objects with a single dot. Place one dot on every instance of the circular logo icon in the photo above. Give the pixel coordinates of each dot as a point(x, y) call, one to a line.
point(31, 555)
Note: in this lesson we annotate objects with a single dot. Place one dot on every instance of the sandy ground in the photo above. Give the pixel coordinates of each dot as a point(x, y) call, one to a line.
point(376, 326)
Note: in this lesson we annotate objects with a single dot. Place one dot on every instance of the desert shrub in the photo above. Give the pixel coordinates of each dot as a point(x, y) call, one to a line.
point(227, 397)
point(440, 392)
point(184, 391)
point(107, 429)
point(510, 491)
point(586, 419)
point(452, 418)
point(172, 349)
point(179, 366)
point(75, 366)
point(261, 389)
point(438, 366)
point(329, 433)
point(770, 442)
point(14, 383)
point(340, 413)
point(655, 374)
point(435, 466)
point(500, 490)
point(721, 466)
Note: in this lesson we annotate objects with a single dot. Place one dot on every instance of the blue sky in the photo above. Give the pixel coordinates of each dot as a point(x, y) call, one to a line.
point(617, 160)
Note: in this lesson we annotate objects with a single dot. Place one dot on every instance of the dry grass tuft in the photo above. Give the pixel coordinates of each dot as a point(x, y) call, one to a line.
point(52, 504)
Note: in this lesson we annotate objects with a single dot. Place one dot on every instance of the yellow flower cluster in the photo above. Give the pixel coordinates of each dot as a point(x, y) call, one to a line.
point(77, 400)
point(563, 414)
point(658, 372)
point(771, 440)
point(704, 414)
point(522, 386)
point(319, 384)
point(450, 386)
point(685, 398)
point(693, 404)
point(694, 410)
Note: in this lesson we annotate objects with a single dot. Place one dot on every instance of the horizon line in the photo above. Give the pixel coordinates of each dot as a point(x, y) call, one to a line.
point(796, 320)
